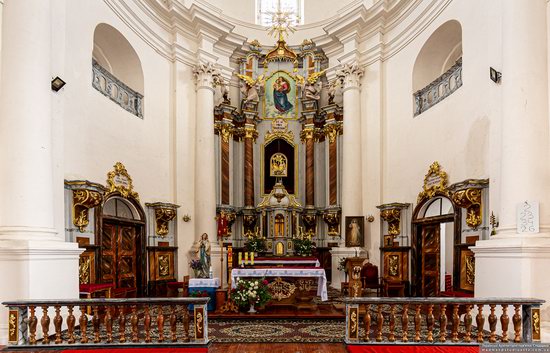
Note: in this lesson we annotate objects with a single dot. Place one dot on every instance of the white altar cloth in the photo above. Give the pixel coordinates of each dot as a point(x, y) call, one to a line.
point(204, 282)
point(319, 273)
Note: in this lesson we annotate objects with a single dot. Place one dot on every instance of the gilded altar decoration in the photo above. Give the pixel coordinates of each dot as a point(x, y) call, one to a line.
point(164, 214)
point(471, 200)
point(393, 217)
point(199, 323)
point(84, 264)
point(83, 200)
point(13, 331)
point(280, 289)
point(353, 323)
point(393, 268)
point(332, 219)
point(470, 270)
point(467, 270)
point(536, 324)
point(224, 130)
point(279, 129)
point(250, 89)
point(435, 183)
point(118, 180)
point(164, 265)
point(278, 165)
point(332, 131)
point(310, 221)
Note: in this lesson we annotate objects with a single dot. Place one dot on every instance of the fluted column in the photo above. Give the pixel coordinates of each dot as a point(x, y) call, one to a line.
point(351, 143)
point(205, 158)
point(26, 180)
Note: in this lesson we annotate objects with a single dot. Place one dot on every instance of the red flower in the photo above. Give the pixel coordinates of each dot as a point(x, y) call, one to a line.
point(265, 281)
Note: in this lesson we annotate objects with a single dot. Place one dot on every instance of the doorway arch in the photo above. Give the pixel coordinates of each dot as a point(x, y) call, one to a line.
point(436, 228)
point(121, 242)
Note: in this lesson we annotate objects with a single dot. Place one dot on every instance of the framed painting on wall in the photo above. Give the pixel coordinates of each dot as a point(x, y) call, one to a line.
point(355, 231)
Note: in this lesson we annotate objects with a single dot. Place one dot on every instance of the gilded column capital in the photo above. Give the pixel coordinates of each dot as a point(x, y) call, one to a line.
point(225, 130)
point(332, 131)
point(207, 76)
point(307, 133)
point(350, 75)
point(250, 132)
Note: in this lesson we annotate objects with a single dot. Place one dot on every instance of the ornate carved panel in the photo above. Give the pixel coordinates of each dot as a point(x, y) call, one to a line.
point(467, 270)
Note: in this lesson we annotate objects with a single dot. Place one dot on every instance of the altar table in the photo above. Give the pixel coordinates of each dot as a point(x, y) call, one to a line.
point(318, 273)
point(300, 261)
point(208, 285)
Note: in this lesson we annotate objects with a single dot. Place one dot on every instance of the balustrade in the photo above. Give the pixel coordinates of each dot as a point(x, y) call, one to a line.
point(439, 89)
point(133, 318)
point(441, 320)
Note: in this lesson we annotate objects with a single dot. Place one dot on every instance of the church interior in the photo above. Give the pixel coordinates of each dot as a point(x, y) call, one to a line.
point(297, 175)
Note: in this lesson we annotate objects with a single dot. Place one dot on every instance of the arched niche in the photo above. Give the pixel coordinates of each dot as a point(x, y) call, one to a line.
point(440, 52)
point(114, 53)
point(286, 148)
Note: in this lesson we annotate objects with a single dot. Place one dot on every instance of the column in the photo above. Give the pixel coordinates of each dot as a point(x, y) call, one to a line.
point(352, 204)
point(250, 136)
point(511, 264)
point(205, 158)
point(34, 261)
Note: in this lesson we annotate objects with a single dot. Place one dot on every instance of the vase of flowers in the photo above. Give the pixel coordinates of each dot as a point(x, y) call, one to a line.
point(255, 245)
point(342, 267)
point(251, 293)
point(303, 247)
point(196, 267)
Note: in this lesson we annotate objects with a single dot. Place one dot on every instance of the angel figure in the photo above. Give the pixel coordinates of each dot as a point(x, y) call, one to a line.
point(250, 87)
point(221, 92)
point(311, 87)
point(332, 89)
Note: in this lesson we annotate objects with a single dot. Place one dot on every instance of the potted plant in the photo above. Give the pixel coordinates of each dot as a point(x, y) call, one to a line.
point(303, 247)
point(342, 267)
point(253, 292)
point(255, 245)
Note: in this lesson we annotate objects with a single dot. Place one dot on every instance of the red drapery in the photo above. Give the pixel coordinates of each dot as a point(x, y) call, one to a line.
point(412, 349)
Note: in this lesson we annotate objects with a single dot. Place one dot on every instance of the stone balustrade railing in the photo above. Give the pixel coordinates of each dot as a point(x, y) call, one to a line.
point(442, 320)
point(116, 90)
point(145, 321)
point(439, 89)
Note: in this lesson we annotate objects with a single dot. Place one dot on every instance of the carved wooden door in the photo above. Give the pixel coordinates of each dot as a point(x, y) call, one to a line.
point(118, 255)
point(430, 260)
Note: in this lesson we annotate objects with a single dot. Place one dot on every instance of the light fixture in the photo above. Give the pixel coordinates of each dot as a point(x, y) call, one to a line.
point(495, 75)
point(57, 84)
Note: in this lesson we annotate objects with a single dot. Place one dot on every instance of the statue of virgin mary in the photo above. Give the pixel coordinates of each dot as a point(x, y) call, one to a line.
point(281, 87)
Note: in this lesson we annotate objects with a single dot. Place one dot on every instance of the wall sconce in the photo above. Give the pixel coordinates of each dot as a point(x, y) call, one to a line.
point(370, 218)
point(186, 218)
point(57, 84)
point(495, 75)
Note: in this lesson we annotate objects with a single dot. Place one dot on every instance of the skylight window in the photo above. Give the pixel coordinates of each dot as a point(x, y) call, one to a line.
point(267, 8)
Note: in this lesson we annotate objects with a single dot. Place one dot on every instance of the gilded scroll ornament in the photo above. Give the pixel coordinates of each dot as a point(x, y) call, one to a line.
point(199, 325)
point(435, 183)
point(354, 325)
point(393, 265)
point(163, 217)
point(119, 180)
point(536, 323)
point(470, 269)
point(84, 269)
point(471, 200)
point(332, 131)
point(13, 332)
point(332, 219)
point(309, 222)
point(164, 265)
point(83, 200)
point(224, 130)
point(280, 289)
point(307, 133)
point(250, 132)
point(393, 217)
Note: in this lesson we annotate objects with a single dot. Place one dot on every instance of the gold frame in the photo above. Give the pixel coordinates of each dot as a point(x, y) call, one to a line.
point(264, 109)
point(126, 192)
point(441, 188)
point(296, 163)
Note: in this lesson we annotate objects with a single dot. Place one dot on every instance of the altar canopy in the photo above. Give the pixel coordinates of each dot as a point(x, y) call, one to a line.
point(318, 273)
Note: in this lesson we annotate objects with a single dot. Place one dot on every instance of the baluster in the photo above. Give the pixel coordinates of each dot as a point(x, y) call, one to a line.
point(405, 322)
point(147, 324)
point(173, 322)
point(71, 320)
point(456, 323)
point(45, 323)
point(109, 324)
point(379, 322)
point(417, 321)
point(430, 321)
point(366, 338)
point(160, 323)
point(33, 321)
point(468, 324)
point(185, 324)
point(391, 336)
point(516, 319)
point(504, 321)
point(134, 322)
point(95, 323)
point(493, 324)
point(443, 323)
point(83, 321)
point(480, 321)
point(121, 324)
point(57, 321)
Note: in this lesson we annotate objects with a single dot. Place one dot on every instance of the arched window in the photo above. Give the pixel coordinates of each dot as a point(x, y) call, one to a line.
point(266, 8)
point(437, 71)
point(117, 71)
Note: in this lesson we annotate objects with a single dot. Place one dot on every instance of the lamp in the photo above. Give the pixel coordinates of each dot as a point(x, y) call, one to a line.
point(57, 84)
point(495, 75)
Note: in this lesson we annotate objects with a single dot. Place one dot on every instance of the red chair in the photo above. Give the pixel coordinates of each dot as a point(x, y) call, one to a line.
point(370, 279)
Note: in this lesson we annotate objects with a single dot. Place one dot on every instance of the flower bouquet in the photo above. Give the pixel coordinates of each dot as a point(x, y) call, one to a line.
point(303, 247)
point(255, 245)
point(250, 293)
point(195, 266)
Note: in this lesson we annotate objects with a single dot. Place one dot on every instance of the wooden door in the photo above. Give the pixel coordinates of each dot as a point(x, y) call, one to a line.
point(119, 254)
point(430, 258)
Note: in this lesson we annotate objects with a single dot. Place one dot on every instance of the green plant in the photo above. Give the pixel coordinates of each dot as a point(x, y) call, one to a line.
point(342, 264)
point(303, 246)
point(251, 292)
point(255, 244)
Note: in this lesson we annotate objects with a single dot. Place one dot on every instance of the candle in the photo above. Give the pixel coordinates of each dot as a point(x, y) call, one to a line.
point(246, 257)
point(252, 258)
point(240, 258)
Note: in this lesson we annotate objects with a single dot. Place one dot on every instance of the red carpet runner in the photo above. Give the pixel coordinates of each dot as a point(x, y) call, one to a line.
point(412, 349)
point(140, 350)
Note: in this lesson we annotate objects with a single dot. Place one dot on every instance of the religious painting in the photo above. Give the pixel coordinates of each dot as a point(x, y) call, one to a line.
point(278, 165)
point(355, 231)
point(280, 96)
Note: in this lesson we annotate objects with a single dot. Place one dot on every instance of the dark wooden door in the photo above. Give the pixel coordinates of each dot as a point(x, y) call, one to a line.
point(120, 252)
point(430, 258)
